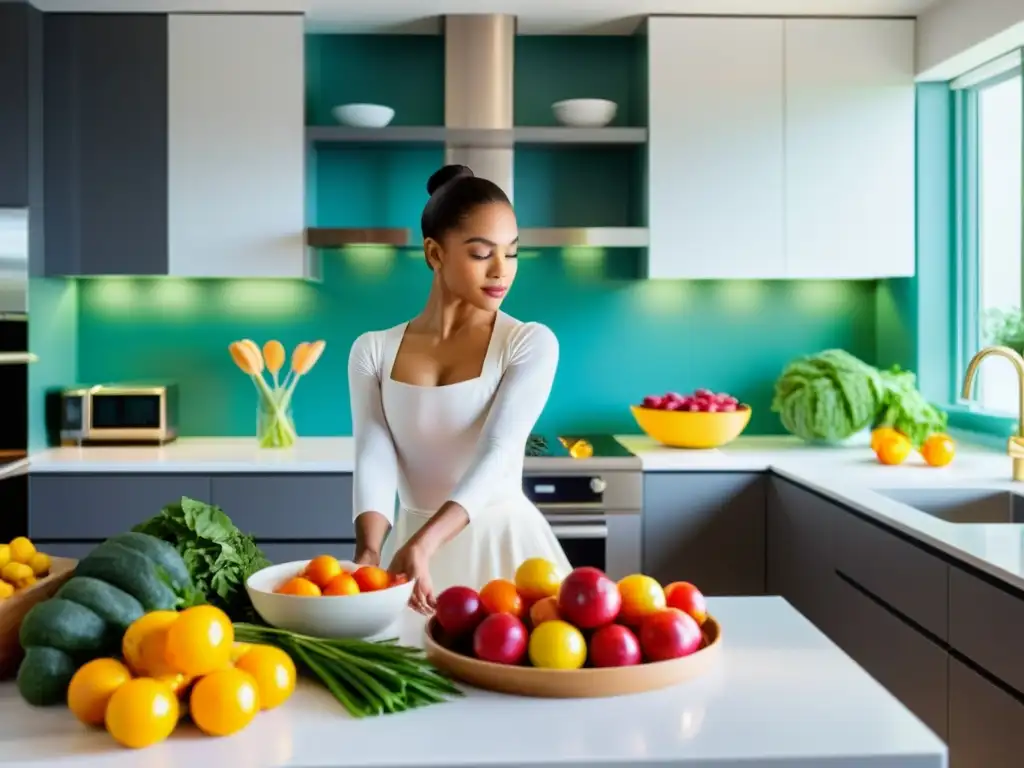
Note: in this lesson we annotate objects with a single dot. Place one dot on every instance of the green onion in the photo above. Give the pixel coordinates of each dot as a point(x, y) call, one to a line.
point(367, 678)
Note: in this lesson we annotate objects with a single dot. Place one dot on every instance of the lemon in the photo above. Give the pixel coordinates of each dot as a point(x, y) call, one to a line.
point(557, 645)
point(18, 574)
point(5, 554)
point(6, 590)
point(22, 550)
point(39, 563)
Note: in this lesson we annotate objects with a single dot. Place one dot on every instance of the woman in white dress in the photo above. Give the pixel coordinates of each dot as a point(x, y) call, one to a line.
point(442, 407)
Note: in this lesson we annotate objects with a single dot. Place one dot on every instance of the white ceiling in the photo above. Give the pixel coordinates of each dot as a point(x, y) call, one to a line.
point(535, 16)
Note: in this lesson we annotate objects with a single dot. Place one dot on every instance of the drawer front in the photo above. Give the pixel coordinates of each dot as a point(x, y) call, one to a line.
point(75, 549)
point(900, 574)
point(286, 552)
point(987, 626)
point(907, 663)
point(986, 724)
point(94, 507)
point(289, 506)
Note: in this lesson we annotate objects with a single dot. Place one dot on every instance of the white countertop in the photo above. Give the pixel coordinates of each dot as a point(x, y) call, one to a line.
point(783, 693)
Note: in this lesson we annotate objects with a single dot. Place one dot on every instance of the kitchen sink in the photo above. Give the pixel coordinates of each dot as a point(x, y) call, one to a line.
point(962, 505)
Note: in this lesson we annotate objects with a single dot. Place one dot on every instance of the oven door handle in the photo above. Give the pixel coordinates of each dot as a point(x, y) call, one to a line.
point(569, 531)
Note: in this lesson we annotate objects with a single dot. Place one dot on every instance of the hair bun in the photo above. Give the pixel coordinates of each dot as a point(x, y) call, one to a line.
point(446, 174)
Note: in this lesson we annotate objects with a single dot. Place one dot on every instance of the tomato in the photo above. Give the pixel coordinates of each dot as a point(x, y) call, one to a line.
point(200, 641)
point(685, 597)
point(938, 450)
point(321, 569)
point(144, 646)
point(669, 634)
point(501, 638)
point(342, 584)
point(893, 449)
point(142, 712)
point(557, 645)
point(370, 578)
point(92, 686)
point(641, 596)
point(501, 596)
point(881, 434)
point(536, 579)
point(274, 673)
point(544, 610)
point(300, 587)
point(224, 702)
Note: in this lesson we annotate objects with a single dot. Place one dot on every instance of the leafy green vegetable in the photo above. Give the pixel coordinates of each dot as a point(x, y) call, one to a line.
point(906, 410)
point(828, 396)
point(832, 395)
point(218, 556)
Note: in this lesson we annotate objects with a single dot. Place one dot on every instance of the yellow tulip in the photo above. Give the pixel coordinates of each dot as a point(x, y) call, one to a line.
point(273, 355)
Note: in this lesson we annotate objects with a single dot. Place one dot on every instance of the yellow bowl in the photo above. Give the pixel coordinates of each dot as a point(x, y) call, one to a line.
point(692, 429)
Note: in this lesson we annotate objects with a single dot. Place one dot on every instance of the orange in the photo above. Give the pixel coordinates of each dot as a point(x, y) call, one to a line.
point(321, 569)
point(200, 641)
point(501, 596)
point(342, 584)
point(274, 673)
point(557, 645)
point(881, 434)
point(224, 702)
point(144, 645)
point(545, 609)
point(537, 578)
point(641, 596)
point(142, 712)
point(370, 578)
point(92, 686)
point(938, 450)
point(300, 587)
point(893, 449)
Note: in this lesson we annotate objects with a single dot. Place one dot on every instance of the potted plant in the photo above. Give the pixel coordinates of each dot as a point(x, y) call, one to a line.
point(1005, 327)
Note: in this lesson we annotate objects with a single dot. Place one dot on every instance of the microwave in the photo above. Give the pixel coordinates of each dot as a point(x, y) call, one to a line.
point(119, 414)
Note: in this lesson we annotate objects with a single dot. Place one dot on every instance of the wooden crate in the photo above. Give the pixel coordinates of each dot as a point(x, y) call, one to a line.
point(14, 608)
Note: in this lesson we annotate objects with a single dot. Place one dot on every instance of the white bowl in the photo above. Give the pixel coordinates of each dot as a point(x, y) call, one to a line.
point(585, 113)
point(363, 115)
point(352, 616)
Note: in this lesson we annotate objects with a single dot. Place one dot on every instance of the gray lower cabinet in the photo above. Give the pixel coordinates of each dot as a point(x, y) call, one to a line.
point(287, 506)
point(95, 506)
point(286, 552)
point(707, 528)
point(986, 723)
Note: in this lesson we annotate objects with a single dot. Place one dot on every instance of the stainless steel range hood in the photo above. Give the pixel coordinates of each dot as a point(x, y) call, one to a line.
point(478, 94)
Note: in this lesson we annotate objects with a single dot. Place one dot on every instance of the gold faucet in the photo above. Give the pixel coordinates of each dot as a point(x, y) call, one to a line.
point(1015, 445)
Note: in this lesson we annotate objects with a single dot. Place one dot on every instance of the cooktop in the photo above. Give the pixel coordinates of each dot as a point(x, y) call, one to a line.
point(575, 447)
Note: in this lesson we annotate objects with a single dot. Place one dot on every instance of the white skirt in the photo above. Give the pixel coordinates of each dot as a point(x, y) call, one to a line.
point(492, 546)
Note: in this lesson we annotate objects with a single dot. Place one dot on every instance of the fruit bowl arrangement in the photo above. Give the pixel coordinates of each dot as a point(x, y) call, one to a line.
point(702, 419)
point(581, 636)
point(326, 597)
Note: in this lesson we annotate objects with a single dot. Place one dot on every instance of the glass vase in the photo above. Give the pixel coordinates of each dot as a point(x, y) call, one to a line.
point(275, 427)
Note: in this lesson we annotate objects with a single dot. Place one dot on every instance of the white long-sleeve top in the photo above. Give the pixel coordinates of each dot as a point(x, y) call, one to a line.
point(462, 442)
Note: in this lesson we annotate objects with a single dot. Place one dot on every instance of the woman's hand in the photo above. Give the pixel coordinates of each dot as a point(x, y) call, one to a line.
point(413, 562)
point(367, 557)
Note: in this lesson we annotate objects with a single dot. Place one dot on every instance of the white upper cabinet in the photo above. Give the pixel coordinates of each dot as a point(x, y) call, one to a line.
point(781, 149)
point(716, 152)
point(236, 146)
point(850, 148)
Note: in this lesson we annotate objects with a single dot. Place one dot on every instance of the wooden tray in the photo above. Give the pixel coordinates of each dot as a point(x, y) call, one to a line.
point(579, 683)
point(14, 608)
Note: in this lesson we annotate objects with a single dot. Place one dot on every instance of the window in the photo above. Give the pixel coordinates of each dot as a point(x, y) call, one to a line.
point(991, 250)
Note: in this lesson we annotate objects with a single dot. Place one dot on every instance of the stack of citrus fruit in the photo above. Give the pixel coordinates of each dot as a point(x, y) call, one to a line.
point(584, 619)
point(175, 664)
point(892, 447)
point(21, 565)
point(325, 576)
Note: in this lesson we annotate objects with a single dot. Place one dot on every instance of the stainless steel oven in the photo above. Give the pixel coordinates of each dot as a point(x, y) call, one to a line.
point(593, 505)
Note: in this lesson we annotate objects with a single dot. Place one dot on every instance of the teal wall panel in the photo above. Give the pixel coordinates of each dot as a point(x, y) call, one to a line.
point(53, 336)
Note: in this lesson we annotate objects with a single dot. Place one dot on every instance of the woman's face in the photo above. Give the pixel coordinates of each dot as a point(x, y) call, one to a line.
point(477, 261)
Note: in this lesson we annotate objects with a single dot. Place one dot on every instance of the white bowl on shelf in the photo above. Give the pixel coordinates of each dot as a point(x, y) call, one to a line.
point(363, 115)
point(360, 616)
point(585, 113)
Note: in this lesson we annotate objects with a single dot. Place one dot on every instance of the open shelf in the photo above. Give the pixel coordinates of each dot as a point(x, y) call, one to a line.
point(338, 237)
point(431, 135)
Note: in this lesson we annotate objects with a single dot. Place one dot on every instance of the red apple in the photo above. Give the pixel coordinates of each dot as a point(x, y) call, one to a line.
point(459, 610)
point(614, 646)
point(500, 638)
point(688, 599)
point(669, 634)
point(588, 599)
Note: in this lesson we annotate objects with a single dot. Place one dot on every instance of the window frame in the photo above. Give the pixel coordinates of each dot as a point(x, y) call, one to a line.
point(967, 326)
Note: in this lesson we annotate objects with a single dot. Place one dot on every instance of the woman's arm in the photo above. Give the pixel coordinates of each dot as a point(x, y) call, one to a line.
point(521, 396)
point(375, 479)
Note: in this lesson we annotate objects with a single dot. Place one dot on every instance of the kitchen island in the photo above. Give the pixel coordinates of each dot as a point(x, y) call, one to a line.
point(782, 695)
